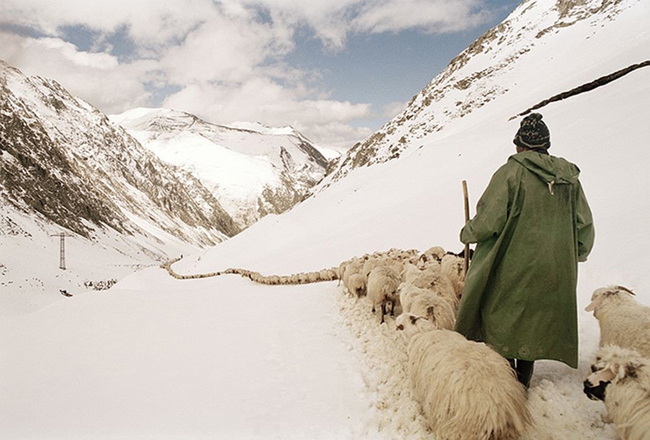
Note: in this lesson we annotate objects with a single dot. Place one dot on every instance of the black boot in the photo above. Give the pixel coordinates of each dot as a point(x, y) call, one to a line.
point(524, 370)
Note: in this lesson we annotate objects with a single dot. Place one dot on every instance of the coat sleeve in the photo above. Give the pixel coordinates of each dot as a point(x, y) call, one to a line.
point(491, 211)
point(584, 226)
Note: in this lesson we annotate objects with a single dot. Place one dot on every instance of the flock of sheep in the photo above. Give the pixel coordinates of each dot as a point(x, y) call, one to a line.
point(448, 372)
point(621, 367)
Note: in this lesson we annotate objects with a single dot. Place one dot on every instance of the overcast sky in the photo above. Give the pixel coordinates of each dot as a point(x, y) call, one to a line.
point(334, 69)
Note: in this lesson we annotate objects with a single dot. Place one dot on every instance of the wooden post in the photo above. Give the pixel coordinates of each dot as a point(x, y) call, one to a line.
point(466, 204)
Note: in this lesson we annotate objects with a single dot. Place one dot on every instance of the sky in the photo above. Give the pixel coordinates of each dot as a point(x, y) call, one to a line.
point(336, 70)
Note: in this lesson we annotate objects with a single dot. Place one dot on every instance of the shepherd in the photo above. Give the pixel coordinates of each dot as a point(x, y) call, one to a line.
point(532, 226)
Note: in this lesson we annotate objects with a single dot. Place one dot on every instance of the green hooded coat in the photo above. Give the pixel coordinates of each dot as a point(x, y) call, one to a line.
point(532, 226)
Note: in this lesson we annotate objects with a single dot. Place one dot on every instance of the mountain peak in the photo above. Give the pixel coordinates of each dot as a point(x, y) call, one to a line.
point(252, 169)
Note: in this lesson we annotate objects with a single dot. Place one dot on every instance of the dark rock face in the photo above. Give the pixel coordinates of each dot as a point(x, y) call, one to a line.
point(64, 160)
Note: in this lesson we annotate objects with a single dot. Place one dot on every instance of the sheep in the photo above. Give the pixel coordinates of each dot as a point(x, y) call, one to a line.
point(432, 279)
point(327, 274)
point(466, 389)
point(382, 289)
point(433, 254)
point(621, 377)
point(354, 266)
point(371, 263)
point(418, 301)
point(453, 267)
point(357, 285)
point(622, 320)
point(381, 261)
point(411, 271)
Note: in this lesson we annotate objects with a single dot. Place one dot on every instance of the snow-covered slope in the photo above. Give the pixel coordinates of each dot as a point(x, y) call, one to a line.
point(66, 168)
point(252, 170)
point(223, 357)
point(416, 200)
point(543, 48)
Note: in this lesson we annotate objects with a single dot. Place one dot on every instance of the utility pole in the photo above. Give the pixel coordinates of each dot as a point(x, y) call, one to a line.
point(62, 236)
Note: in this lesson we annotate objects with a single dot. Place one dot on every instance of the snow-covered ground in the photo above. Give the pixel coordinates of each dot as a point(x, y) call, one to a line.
point(225, 358)
point(222, 357)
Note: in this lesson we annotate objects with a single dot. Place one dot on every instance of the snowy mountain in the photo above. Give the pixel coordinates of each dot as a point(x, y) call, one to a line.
point(69, 169)
point(491, 69)
point(307, 361)
point(251, 169)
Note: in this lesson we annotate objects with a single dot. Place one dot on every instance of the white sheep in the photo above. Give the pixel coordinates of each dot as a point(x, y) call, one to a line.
point(382, 289)
point(371, 263)
point(343, 267)
point(382, 260)
point(354, 266)
point(411, 270)
point(466, 389)
point(357, 285)
point(621, 377)
point(431, 278)
point(431, 255)
point(327, 274)
point(622, 320)
point(453, 267)
point(418, 301)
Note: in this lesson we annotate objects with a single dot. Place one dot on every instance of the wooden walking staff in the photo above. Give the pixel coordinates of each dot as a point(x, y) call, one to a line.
point(466, 202)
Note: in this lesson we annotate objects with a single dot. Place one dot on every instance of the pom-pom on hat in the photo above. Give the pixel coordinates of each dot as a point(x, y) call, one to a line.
point(533, 133)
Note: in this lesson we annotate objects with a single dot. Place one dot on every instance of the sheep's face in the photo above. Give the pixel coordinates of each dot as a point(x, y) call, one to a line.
point(359, 291)
point(601, 295)
point(612, 365)
point(596, 383)
point(410, 325)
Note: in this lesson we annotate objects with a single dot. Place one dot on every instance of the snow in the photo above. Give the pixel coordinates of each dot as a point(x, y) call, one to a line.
point(237, 164)
point(222, 357)
point(183, 364)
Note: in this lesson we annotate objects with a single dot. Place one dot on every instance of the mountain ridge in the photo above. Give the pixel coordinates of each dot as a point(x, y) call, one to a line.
point(253, 171)
point(468, 82)
point(76, 160)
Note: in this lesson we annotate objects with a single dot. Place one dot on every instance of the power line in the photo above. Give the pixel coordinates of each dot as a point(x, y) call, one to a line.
point(62, 237)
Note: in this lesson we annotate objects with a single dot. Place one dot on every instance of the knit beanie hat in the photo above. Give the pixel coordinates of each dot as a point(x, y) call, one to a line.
point(533, 133)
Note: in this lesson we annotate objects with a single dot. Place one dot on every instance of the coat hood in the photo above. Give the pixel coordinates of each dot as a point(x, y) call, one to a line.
point(551, 170)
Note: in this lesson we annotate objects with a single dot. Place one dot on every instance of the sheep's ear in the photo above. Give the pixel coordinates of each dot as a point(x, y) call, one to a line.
point(595, 303)
point(631, 369)
point(592, 306)
point(619, 370)
point(622, 370)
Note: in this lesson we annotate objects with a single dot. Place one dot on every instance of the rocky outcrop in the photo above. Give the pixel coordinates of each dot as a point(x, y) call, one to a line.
point(64, 160)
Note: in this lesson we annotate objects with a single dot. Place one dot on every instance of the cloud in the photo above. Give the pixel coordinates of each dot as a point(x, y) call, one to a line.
point(326, 122)
point(392, 109)
point(333, 20)
point(223, 50)
point(224, 60)
point(150, 22)
point(96, 77)
point(431, 16)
